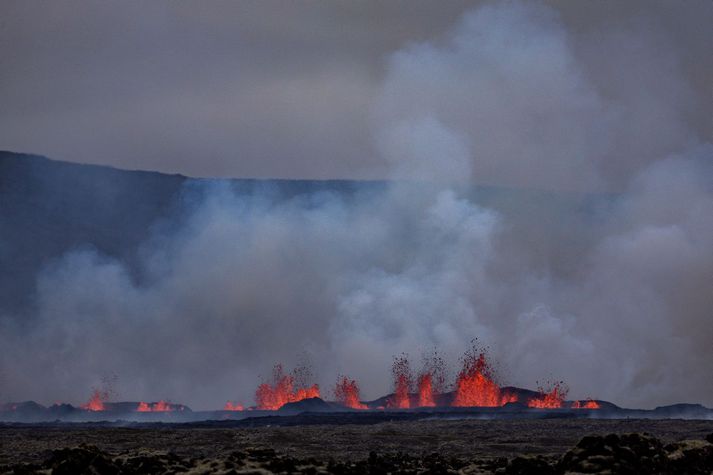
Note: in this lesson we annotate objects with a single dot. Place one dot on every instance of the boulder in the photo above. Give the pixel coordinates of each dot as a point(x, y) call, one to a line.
point(628, 453)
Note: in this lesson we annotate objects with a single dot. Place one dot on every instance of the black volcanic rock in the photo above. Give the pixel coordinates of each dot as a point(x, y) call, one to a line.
point(690, 456)
point(313, 404)
point(24, 406)
point(24, 411)
point(512, 406)
point(82, 459)
point(61, 410)
point(613, 454)
point(628, 453)
point(683, 411)
point(537, 465)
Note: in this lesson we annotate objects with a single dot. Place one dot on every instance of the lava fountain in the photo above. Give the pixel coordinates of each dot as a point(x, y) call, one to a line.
point(161, 406)
point(550, 399)
point(96, 401)
point(272, 396)
point(401, 371)
point(346, 393)
point(475, 384)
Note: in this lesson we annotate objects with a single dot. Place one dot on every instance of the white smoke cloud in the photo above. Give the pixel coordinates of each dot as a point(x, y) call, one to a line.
point(537, 106)
point(608, 292)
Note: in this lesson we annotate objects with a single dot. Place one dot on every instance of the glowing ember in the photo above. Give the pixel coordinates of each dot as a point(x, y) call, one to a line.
point(231, 406)
point(588, 404)
point(96, 401)
point(161, 406)
point(552, 399)
point(475, 385)
point(401, 371)
point(273, 396)
point(346, 392)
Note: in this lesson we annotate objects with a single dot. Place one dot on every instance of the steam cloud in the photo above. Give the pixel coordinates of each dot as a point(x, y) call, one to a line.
point(613, 298)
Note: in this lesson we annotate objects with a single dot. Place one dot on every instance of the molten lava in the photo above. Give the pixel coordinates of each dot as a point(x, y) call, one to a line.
point(552, 399)
point(346, 392)
point(475, 385)
point(271, 397)
point(161, 406)
point(231, 406)
point(96, 402)
point(425, 391)
point(588, 404)
point(431, 380)
point(401, 371)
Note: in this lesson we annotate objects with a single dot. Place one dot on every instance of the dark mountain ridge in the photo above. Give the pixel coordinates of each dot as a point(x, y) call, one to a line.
point(49, 207)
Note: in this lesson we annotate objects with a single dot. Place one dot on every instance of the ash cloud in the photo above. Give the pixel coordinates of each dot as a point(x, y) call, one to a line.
point(607, 291)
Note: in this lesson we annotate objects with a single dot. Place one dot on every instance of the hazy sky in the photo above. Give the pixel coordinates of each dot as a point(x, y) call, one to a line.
point(287, 88)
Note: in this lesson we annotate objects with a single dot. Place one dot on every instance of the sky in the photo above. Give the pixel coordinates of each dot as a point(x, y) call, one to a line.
point(290, 89)
point(609, 291)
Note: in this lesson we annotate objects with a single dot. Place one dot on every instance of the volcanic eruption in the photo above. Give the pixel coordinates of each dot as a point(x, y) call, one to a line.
point(96, 401)
point(475, 386)
point(346, 393)
point(284, 388)
point(552, 398)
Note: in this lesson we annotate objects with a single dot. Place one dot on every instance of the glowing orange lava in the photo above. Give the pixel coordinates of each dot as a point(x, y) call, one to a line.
point(475, 385)
point(346, 392)
point(425, 391)
point(161, 406)
point(231, 406)
point(588, 404)
point(401, 371)
point(96, 401)
point(552, 399)
point(271, 397)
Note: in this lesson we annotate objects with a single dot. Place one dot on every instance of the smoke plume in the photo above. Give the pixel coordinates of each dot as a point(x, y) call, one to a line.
point(603, 280)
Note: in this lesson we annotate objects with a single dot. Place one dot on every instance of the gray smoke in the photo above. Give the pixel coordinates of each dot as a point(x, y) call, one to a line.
point(607, 291)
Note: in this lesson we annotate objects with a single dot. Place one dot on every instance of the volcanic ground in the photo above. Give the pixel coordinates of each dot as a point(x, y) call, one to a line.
point(416, 446)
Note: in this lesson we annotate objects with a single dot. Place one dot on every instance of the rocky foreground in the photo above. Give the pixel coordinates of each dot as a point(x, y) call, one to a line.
point(677, 447)
point(628, 453)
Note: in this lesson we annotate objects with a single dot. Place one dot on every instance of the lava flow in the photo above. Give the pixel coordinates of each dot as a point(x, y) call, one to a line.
point(552, 399)
point(346, 392)
point(271, 397)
